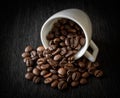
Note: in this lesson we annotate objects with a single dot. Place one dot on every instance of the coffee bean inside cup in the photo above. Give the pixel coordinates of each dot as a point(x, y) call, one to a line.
point(56, 64)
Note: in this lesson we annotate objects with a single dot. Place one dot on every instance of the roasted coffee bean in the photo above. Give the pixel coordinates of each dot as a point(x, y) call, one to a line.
point(50, 36)
point(29, 62)
point(69, 78)
point(61, 76)
point(25, 59)
point(89, 65)
point(33, 53)
point(85, 74)
point(29, 75)
point(38, 67)
point(41, 61)
point(74, 83)
point(78, 47)
point(69, 54)
point(96, 64)
point(53, 71)
point(25, 54)
point(62, 85)
point(76, 41)
point(82, 41)
point(71, 70)
point(43, 72)
point(72, 30)
point(48, 80)
point(98, 73)
point(54, 76)
point(62, 71)
point(52, 62)
point(81, 64)
point(40, 54)
point(36, 71)
point(40, 49)
point(47, 75)
point(36, 79)
point(29, 69)
point(56, 51)
point(67, 41)
point(54, 84)
point(76, 76)
point(71, 42)
point(71, 58)
point(52, 47)
point(56, 41)
point(91, 70)
point(51, 43)
point(28, 49)
point(62, 62)
point(57, 57)
point(83, 81)
point(63, 51)
point(45, 66)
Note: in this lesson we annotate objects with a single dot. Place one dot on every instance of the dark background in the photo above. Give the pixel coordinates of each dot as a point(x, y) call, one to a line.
point(20, 24)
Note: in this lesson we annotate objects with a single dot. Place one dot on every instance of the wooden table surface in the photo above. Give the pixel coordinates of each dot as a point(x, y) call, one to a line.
point(20, 24)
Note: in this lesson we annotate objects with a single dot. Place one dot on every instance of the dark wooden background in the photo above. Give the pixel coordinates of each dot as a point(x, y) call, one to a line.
point(20, 24)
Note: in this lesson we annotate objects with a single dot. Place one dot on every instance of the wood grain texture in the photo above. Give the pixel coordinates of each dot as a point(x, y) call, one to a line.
point(20, 26)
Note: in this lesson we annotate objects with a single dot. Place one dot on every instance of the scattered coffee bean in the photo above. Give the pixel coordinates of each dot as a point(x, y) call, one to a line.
point(48, 80)
point(76, 76)
point(57, 57)
point(85, 74)
point(74, 83)
point(83, 81)
point(36, 79)
point(40, 48)
point(98, 73)
point(47, 75)
point(54, 84)
point(43, 72)
point(29, 69)
point(28, 49)
point(25, 54)
point(62, 71)
point(36, 71)
point(62, 85)
point(29, 76)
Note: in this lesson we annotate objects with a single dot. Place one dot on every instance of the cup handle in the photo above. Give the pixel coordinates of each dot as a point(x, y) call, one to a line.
point(88, 55)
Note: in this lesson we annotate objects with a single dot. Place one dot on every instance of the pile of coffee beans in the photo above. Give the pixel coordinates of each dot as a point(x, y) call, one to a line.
point(56, 64)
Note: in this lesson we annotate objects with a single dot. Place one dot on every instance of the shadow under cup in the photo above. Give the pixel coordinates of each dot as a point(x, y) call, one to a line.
point(47, 26)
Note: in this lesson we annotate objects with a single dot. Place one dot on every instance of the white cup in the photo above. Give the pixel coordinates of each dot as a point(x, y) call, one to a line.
point(82, 19)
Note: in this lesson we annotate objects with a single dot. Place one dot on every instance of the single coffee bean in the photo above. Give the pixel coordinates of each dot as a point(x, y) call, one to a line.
point(54, 84)
point(29, 76)
point(62, 38)
point(52, 62)
point(98, 73)
point(56, 41)
point(76, 76)
point(39, 67)
point(52, 47)
point(40, 49)
point(25, 54)
point(89, 65)
point(85, 74)
point(62, 85)
point(29, 69)
point(25, 59)
point(29, 62)
point(56, 51)
point(61, 76)
point(36, 79)
point(74, 83)
point(43, 72)
point(33, 53)
point(45, 66)
point(81, 64)
point(48, 80)
point(54, 76)
point(69, 54)
point(96, 64)
point(72, 30)
point(36, 71)
point(46, 51)
point(57, 57)
point(62, 44)
point(28, 49)
point(67, 41)
point(91, 70)
point(63, 51)
point(82, 41)
point(83, 81)
point(71, 42)
point(76, 41)
point(40, 54)
point(78, 47)
point(47, 75)
point(62, 71)
point(69, 78)
point(41, 61)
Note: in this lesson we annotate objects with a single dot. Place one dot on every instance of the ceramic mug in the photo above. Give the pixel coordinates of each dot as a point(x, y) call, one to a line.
point(82, 19)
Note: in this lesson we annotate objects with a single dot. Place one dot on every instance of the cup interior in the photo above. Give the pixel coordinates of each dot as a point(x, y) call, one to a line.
point(47, 26)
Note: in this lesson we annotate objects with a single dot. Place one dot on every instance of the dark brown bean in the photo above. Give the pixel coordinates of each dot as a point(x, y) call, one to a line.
point(52, 47)
point(67, 41)
point(54, 76)
point(53, 71)
point(43, 72)
point(28, 49)
point(38, 67)
point(36, 71)
point(62, 85)
point(78, 47)
point(62, 71)
point(62, 44)
point(40, 48)
point(72, 30)
point(56, 41)
point(83, 81)
point(57, 57)
point(62, 38)
point(36, 79)
point(85, 74)
point(33, 53)
point(69, 78)
point(81, 64)
point(52, 62)
point(45, 66)
point(29, 62)
point(76, 41)
point(98, 73)
point(56, 51)
point(91, 70)
point(25, 54)
point(82, 41)
point(41, 61)
point(69, 53)
point(76, 76)
point(48, 80)
point(74, 83)
point(50, 36)
point(29, 69)
point(29, 76)
point(63, 51)
point(47, 75)
point(54, 84)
